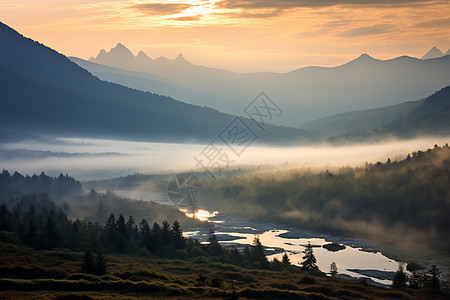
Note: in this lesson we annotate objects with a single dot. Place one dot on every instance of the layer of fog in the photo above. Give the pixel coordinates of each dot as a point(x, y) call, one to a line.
point(102, 159)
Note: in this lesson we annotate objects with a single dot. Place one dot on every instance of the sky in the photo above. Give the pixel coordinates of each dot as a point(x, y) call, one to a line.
point(237, 35)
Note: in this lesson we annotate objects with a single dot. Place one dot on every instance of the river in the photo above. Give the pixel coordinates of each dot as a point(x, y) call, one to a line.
point(357, 260)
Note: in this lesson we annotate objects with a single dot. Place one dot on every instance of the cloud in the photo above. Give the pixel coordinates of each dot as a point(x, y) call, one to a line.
point(258, 14)
point(444, 23)
point(188, 18)
point(160, 9)
point(261, 15)
point(289, 4)
point(367, 30)
point(5, 6)
point(326, 28)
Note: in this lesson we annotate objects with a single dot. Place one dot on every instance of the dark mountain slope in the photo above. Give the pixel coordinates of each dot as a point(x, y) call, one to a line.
point(429, 116)
point(44, 92)
point(358, 122)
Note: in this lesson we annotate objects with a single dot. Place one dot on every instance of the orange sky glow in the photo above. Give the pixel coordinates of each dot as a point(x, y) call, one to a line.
point(237, 35)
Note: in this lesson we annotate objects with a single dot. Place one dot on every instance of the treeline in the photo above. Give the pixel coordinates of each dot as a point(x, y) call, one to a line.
point(17, 184)
point(46, 227)
point(392, 199)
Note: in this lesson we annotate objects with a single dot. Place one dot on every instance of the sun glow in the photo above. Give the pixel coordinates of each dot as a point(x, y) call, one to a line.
point(201, 214)
point(198, 13)
point(242, 36)
point(204, 9)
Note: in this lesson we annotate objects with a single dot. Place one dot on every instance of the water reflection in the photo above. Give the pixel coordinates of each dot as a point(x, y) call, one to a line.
point(233, 231)
point(201, 214)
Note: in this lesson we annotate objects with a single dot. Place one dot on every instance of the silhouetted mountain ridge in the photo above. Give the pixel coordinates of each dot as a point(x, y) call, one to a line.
point(121, 56)
point(44, 92)
point(15, 56)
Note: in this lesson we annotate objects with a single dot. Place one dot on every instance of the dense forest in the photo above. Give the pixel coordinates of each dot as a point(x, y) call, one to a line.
point(405, 201)
point(17, 184)
point(19, 192)
point(43, 226)
point(29, 217)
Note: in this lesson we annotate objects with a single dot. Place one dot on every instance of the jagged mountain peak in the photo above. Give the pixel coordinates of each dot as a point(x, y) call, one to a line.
point(120, 54)
point(142, 56)
point(362, 59)
point(433, 53)
point(120, 45)
point(101, 54)
point(365, 56)
point(120, 48)
point(180, 59)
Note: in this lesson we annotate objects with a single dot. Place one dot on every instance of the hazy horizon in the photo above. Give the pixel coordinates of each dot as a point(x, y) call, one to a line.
point(91, 159)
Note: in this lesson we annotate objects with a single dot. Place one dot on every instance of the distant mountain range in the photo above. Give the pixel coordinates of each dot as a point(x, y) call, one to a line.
point(304, 95)
point(43, 92)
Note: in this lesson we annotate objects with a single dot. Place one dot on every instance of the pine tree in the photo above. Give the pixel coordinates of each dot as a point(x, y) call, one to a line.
point(132, 229)
point(100, 265)
point(286, 261)
point(257, 253)
point(100, 211)
point(399, 280)
point(111, 222)
point(333, 269)
point(88, 263)
point(144, 234)
point(113, 238)
point(247, 253)
point(154, 241)
point(177, 234)
point(176, 229)
point(434, 274)
point(31, 234)
point(156, 231)
point(309, 260)
point(214, 247)
point(51, 238)
point(122, 227)
point(165, 233)
point(5, 218)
